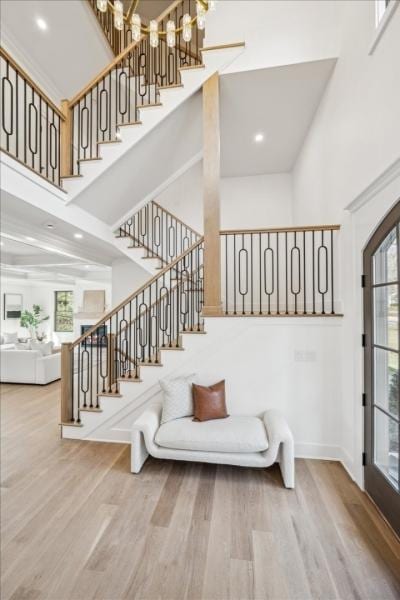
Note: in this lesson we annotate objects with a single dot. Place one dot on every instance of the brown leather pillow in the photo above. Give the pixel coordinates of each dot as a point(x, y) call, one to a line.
point(209, 402)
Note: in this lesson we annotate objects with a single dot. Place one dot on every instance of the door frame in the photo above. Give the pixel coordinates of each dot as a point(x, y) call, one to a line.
point(375, 483)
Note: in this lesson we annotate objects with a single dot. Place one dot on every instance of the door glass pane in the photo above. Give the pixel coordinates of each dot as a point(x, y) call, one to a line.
point(387, 446)
point(385, 260)
point(386, 316)
point(386, 380)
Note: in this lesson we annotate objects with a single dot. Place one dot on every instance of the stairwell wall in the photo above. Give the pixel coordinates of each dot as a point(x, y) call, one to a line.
point(246, 202)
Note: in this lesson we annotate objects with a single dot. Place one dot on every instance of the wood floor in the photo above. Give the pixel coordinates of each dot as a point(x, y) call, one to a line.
point(77, 525)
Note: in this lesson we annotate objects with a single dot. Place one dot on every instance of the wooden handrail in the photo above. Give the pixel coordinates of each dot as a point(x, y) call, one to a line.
point(34, 85)
point(115, 310)
point(282, 229)
point(118, 58)
point(176, 218)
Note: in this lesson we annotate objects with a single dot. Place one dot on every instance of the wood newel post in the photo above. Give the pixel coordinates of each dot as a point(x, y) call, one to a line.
point(66, 383)
point(111, 360)
point(211, 200)
point(66, 139)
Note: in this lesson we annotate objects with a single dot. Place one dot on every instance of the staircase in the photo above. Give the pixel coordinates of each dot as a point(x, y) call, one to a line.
point(113, 369)
point(108, 361)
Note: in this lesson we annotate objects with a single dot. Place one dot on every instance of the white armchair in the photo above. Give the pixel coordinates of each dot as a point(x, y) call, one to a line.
point(29, 366)
point(280, 446)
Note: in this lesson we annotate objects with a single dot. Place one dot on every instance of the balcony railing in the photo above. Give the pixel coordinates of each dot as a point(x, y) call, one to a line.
point(30, 122)
point(279, 271)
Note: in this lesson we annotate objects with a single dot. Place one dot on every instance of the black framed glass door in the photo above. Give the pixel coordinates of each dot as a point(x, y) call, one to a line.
point(381, 367)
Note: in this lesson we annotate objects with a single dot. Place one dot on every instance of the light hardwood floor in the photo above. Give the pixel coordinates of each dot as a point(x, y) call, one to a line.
point(78, 525)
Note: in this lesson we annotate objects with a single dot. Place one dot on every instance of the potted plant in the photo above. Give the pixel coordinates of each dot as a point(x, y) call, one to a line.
point(33, 319)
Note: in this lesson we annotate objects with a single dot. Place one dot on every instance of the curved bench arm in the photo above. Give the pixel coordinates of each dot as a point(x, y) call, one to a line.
point(143, 431)
point(280, 437)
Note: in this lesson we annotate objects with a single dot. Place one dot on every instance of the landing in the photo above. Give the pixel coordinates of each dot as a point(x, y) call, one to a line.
point(78, 525)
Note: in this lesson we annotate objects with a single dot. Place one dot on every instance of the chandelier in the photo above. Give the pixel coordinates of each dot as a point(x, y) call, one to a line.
point(133, 20)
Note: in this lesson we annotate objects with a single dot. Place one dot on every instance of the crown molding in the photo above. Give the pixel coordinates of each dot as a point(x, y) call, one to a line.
point(45, 82)
point(383, 180)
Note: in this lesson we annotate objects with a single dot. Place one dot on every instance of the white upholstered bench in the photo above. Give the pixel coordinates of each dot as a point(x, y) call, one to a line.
point(236, 440)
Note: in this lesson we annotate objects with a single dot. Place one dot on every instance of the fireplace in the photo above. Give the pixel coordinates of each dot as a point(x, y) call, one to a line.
point(97, 338)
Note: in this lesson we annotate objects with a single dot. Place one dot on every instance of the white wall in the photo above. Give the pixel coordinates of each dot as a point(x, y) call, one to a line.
point(276, 32)
point(355, 135)
point(127, 277)
point(42, 293)
point(246, 202)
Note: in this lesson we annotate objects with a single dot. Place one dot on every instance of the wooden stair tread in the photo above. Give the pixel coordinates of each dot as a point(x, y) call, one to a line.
point(130, 123)
point(70, 424)
point(90, 409)
point(109, 395)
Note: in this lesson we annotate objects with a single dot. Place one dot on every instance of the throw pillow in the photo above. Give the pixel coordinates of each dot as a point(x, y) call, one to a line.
point(10, 338)
point(209, 402)
point(177, 401)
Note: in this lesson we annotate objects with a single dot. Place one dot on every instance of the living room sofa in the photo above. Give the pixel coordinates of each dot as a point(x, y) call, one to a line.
point(237, 440)
point(29, 366)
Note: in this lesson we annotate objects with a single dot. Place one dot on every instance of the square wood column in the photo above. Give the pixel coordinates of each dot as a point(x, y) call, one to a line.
point(211, 200)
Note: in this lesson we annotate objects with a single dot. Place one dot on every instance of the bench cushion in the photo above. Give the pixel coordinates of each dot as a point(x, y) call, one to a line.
point(233, 434)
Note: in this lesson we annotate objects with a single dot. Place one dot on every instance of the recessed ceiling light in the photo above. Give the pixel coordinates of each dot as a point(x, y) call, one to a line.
point(78, 236)
point(1, 243)
point(259, 137)
point(41, 23)
point(87, 267)
point(50, 225)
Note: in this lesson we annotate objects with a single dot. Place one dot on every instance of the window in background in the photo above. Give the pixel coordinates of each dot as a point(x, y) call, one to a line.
point(64, 311)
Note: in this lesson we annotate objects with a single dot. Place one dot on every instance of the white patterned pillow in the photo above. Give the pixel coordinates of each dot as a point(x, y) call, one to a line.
point(178, 401)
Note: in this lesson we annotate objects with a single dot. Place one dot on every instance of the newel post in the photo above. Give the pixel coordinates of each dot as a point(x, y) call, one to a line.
point(66, 139)
point(66, 383)
point(211, 200)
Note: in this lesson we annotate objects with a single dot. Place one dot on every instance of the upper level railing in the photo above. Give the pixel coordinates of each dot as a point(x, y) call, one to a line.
point(133, 334)
point(159, 232)
point(279, 271)
point(117, 39)
point(132, 81)
point(53, 141)
point(30, 122)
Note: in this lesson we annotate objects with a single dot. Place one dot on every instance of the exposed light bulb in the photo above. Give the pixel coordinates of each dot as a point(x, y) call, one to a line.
point(102, 5)
point(186, 28)
point(170, 34)
point(118, 15)
point(41, 23)
point(212, 5)
point(136, 24)
point(201, 15)
point(259, 137)
point(153, 33)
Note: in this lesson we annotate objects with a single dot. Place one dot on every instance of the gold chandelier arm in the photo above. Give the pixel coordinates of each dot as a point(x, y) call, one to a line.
point(132, 9)
point(143, 29)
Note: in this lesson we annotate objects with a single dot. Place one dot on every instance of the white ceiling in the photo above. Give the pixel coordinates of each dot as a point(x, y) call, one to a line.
point(49, 254)
point(65, 57)
point(280, 102)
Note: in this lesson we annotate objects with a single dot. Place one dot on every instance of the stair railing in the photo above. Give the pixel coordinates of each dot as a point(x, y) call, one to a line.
point(160, 233)
point(132, 334)
point(131, 82)
point(288, 271)
point(30, 122)
point(118, 40)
